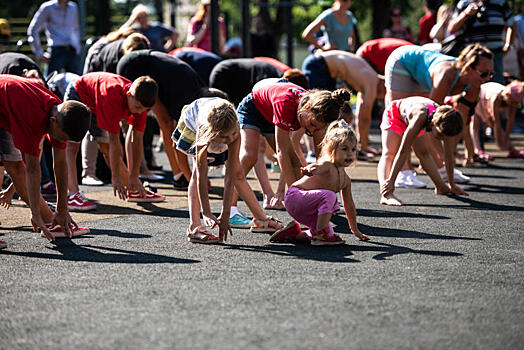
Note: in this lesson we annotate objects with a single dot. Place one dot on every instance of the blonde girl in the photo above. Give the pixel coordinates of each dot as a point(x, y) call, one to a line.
point(312, 200)
point(208, 129)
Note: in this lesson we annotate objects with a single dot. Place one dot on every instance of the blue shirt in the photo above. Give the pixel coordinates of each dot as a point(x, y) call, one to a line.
point(519, 19)
point(335, 32)
point(156, 32)
point(61, 27)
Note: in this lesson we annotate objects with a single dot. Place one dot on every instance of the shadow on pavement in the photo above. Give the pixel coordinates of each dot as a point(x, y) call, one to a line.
point(474, 205)
point(115, 233)
point(393, 214)
point(89, 253)
point(493, 189)
point(389, 250)
point(392, 232)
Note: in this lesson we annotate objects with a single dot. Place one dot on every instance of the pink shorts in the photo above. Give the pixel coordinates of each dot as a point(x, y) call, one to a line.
point(306, 205)
point(392, 120)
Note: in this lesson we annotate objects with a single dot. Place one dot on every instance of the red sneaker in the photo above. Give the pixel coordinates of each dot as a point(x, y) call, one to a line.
point(59, 233)
point(150, 197)
point(287, 234)
point(77, 202)
point(3, 245)
point(324, 238)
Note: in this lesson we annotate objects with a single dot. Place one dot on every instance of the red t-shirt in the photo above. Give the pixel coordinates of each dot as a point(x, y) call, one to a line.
point(377, 51)
point(275, 63)
point(425, 24)
point(105, 95)
point(278, 103)
point(25, 107)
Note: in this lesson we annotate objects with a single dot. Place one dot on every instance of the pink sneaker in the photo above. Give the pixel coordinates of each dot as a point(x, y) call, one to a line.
point(286, 234)
point(59, 233)
point(324, 238)
point(150, 197)
point(77, 202)
point(3, 245)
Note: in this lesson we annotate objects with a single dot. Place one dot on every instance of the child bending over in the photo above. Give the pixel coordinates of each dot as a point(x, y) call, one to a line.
point(208, 129)
point(403, 123)
point(312, 200)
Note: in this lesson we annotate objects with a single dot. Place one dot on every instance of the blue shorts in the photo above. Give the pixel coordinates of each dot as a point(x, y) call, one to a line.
point(250, 118)
point(8, 151)
point(97, 134)
point(317, 71)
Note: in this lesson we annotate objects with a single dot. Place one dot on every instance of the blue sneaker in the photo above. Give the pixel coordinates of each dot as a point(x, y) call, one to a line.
point(239, 221)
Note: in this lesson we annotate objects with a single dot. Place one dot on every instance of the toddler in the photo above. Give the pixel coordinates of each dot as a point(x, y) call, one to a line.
point(312, 200)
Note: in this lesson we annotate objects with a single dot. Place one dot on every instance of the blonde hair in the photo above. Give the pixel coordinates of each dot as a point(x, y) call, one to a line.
point(140, 9)
point(442, 12)
point(470, 56)
point(121, 33)
point(135, 41)
point(337, 133)
point(221, 117)
point(447, 121)
point(326, 106)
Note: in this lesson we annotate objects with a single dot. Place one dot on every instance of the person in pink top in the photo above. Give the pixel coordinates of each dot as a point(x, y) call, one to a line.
point(274, 111)
point(112, 98)
point(199, 34)
point(495, 102)
point(28, 112)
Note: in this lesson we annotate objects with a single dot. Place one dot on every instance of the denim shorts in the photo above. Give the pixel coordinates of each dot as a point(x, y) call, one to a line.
point(317, 71)
point(250, 118)
point(8, 151)
point(95, 133)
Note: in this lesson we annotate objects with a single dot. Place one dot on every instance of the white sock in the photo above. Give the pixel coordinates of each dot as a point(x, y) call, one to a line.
point(233, 212)
point(177, 176)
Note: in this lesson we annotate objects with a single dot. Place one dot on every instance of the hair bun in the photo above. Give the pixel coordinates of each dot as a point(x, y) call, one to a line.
point(340, 96)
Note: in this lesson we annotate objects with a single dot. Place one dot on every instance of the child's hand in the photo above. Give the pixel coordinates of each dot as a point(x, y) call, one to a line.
point(5, 198)
point(458, 191)
point(211, 220)
point(224, 228)
point(310, 169)
point(119, 188)
point(361, 236)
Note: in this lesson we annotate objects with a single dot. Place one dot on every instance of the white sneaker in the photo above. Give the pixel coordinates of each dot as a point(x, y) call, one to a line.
point(90, 180)
point(458, 176)
point(408, 179)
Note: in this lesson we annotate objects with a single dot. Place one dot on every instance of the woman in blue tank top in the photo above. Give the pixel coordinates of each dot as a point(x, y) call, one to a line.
point(414, 71)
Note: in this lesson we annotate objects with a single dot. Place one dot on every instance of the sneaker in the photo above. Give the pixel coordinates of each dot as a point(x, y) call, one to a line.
point(458, 176)
point(361, 155)
point(239, 221)
point(324, 238)
point(91, 180)
point(151, 177)
point(275, 168)
point(150, 197)
point(3, 245)
point(59, 233)
point(48, 191)
point(310, 158)
point(181, 183)
point(78, 202)
point(286, 234)
point(408, 179)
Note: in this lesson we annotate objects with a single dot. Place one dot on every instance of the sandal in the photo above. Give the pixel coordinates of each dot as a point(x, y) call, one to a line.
point(263, 226)
point(195, 236)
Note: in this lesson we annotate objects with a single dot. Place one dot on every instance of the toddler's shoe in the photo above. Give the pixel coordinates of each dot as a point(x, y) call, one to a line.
point(59, 233)
point(150, 197)
point(3, 245)
point(286, 234)
point(77, 202)
point(324, 238)
point(408, 179)
point(90, 180)
point(239, 221)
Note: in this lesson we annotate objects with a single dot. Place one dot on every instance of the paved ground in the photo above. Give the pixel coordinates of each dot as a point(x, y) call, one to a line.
point(439, 273)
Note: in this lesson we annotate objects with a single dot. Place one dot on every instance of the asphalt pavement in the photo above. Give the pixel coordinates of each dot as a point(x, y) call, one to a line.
point(439, 273)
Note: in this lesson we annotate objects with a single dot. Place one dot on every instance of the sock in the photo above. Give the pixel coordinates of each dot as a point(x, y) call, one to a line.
point(177, 176)
point(233, 212)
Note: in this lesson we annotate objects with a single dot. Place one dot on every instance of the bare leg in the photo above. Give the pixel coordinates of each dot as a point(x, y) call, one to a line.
point(124, 172)
point(71, 154)
point(390, 145)
point(248, 153)
point(261, 172)
point(167, 125)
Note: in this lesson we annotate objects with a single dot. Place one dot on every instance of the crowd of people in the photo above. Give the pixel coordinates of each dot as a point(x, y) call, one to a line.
point(445, 88)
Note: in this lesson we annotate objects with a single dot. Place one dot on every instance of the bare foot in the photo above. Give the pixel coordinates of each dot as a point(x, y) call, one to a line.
point(391, 200)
